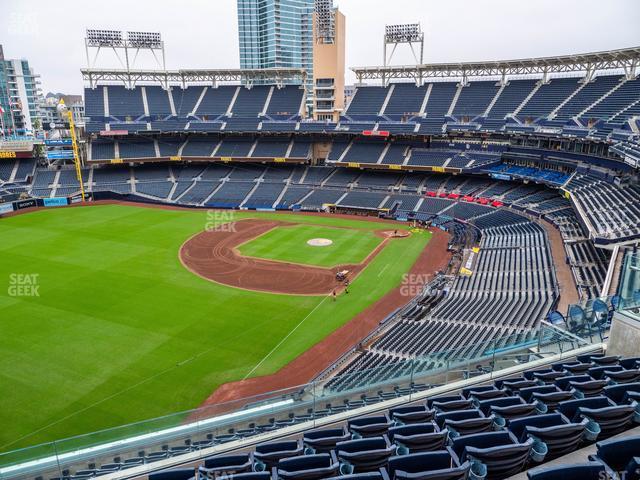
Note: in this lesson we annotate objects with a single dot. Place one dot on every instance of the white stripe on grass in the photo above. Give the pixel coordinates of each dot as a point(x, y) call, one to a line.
point(285, 338)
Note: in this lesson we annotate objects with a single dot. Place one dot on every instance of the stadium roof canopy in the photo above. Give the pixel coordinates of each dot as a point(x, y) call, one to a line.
point(627, 59)
point(131, 78)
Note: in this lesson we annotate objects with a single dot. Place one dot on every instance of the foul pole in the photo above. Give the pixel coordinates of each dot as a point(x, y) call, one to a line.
point(76, 152)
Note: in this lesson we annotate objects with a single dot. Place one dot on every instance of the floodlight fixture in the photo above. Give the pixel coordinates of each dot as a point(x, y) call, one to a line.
point(409, 33)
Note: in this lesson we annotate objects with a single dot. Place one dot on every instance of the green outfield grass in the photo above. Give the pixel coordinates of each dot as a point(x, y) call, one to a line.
point(120, 331)
point(289, 244)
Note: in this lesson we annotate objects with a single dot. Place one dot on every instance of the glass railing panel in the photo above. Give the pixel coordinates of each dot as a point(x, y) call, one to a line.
point(629, 291)
point(247, 419)
point(23, 462)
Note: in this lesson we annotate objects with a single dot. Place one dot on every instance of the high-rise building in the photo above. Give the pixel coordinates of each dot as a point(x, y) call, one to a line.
point(20, 96)
point(305, 34)
point(329, 28)
point(276, 34)
point(49, 113)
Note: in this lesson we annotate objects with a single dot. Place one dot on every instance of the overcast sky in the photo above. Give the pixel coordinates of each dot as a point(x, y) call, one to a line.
point(203, 33)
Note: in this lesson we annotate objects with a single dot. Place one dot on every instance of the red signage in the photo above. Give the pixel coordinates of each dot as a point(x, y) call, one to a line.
point(375, 133)
point(113, 133)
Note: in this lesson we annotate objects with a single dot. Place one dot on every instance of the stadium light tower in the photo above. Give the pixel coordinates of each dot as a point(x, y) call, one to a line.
point(126, 48)
point(406, 33)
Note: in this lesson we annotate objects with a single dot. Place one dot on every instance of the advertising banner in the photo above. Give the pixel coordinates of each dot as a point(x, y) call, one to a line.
point(55, 202)
point(5, 208)
point(58, 142)
point(22, 204)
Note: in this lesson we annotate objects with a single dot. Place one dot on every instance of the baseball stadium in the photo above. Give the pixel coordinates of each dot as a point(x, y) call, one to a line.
point(246, 273)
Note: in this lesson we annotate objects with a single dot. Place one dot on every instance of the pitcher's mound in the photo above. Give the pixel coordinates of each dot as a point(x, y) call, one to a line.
point(319, 242)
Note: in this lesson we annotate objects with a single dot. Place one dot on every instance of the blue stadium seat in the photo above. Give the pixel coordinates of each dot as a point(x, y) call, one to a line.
point(364, 455)
point(418, 437)
point(226, 465)
point(465, 422)
point(621, 376)
point(174, 474)
point(269, 454)
point(554, 430)
point(605, 418)
point(372, 426)
point(439, 465)
point(324, 440)
point(479, 394)
point(507, 408)
point(246, 476)
point(624, 393)
point(587, 471)
point(307, 467)
point(411, 414)
point(496, 455)
point(449, 403)
point(621, 457)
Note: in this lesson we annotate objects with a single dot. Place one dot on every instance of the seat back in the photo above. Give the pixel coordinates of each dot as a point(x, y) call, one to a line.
point(443, 399)
point(275, 447)
point(364, 454)
point(591, 388)
point(569, 408)
point(608, 360)
point(452, 405)
point(369, 426)
point(413, 429)
point(466, 392)
point(623, 376)
point(617, 453)
point(427, 466)
point(418, 438)
point(246, 476)
point(498, 451)
point(518, 426)
point(305, 462)
point(229, 463)
point(563, 382)
point(598, 372)
point(360, 476)
point(362, 445)
point(487, 405)
point(630, 362)
point(553, 399)
point(587, 471)
point(412, 414)
point(527, 393)
point(619, 394)
point(323, 440)
point(481, 440)
point(174, 474)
